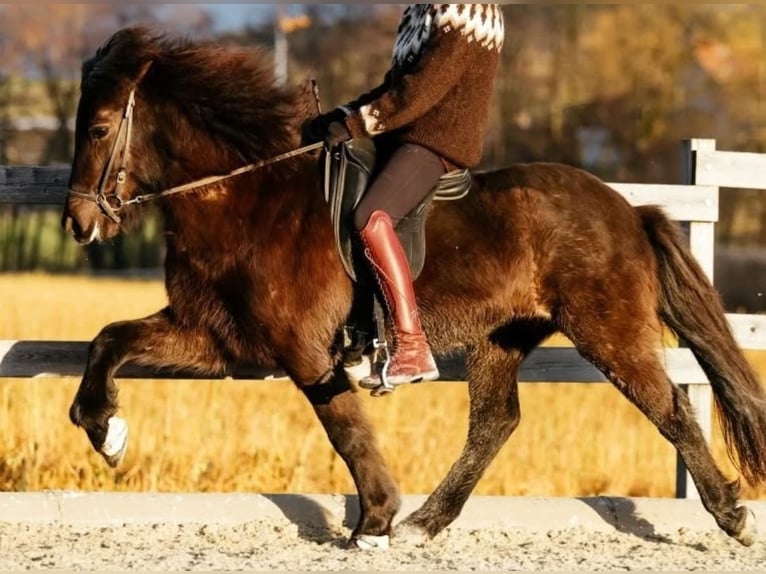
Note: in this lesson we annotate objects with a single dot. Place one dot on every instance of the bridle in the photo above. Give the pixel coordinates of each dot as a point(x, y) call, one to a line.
point(112, 203)
point(101, 197)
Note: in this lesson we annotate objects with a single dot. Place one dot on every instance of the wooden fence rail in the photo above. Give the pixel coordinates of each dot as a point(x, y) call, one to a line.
point(695, 203)
point(32, 359)
point(33, 185)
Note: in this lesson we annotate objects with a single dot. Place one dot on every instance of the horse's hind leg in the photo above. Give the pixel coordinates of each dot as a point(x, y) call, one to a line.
point(633, 365)
point(494, 415)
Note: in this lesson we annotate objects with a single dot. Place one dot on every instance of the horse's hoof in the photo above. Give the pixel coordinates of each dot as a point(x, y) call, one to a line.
point(368, 542)
point(749, 532)
point(116, 442)
point(410, 535)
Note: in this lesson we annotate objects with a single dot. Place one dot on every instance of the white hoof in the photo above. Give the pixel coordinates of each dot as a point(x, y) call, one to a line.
point(368, 542)
point(410, 535)
point(749, 532)
point(116, 442)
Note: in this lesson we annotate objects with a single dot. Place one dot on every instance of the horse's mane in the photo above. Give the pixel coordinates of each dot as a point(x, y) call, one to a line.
point(228, 92)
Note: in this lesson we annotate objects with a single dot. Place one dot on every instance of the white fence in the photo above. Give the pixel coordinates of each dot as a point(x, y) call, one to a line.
point(695, 203)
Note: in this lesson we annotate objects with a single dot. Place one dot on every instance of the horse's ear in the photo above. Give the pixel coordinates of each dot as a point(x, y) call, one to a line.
point(142, 71)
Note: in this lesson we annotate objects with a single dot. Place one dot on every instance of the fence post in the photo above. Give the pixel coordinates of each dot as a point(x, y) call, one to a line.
point(702, 244)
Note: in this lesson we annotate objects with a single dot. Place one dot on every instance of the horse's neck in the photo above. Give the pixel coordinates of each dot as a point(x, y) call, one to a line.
point(250, 210)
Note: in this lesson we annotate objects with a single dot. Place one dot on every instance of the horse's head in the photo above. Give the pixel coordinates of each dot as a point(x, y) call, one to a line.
point(110, 165)
point(157, 113)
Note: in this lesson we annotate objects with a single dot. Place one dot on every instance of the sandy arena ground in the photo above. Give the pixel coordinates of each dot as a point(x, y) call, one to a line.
point(301, 533)
point(272, 545)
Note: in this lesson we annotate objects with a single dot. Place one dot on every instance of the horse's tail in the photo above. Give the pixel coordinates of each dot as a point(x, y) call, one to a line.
point(691, 307)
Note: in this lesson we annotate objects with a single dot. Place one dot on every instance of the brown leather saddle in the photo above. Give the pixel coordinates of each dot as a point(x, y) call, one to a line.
point(347, 171)
point(348, 168)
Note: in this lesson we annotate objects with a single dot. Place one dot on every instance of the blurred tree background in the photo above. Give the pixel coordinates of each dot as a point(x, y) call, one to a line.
point(611, 88)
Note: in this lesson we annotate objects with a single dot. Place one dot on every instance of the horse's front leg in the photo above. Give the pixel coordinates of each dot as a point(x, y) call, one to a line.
point(338, 408)
point(155, 340)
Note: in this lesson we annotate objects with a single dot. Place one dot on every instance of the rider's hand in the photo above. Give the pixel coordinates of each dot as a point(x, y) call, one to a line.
point(337, 133)
point(316, 129)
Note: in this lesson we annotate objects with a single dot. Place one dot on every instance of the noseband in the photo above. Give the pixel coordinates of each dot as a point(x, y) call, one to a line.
point(111, 203)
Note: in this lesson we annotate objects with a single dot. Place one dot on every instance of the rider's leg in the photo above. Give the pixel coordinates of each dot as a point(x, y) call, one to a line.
point(401, 184)
point(410, 174)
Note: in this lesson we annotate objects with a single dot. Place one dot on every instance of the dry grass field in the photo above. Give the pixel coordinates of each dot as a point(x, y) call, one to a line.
point(574, 439)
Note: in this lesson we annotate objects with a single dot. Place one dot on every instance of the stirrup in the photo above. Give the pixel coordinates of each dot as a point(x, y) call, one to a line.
point(385, 387)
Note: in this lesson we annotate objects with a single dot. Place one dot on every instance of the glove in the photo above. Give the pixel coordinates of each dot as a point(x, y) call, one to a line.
point(316, 129)
point(337, 133)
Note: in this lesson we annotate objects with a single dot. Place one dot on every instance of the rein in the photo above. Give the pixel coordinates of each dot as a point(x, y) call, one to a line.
point(111, 203)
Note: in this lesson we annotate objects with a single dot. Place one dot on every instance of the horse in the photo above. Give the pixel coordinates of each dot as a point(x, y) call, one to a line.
point(253, 275)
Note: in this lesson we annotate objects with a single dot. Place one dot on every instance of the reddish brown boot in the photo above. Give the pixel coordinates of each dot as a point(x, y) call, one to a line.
point(411, 360)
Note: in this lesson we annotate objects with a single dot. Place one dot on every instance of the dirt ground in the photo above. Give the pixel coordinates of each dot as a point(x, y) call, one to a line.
point(273, 544)
point(60, 530)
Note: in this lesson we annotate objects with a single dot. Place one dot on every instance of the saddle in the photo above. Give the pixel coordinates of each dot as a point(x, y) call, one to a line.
point(347, 171)
point(348, 168)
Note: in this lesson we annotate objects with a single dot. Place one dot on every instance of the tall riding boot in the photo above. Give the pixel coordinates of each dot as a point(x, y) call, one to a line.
point(411, 359)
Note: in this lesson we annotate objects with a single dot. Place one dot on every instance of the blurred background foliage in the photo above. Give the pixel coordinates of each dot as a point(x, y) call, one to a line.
point(611, 88)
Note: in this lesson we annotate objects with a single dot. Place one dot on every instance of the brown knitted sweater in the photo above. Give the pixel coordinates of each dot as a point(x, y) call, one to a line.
point(438, 90)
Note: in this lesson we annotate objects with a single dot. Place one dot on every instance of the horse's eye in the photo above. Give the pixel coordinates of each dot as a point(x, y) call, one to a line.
point(98, 132)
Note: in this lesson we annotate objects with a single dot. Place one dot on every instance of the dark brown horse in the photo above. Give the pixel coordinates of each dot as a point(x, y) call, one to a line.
point(252, 275)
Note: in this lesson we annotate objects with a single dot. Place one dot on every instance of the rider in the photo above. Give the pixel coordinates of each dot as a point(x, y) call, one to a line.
point(427, 117)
